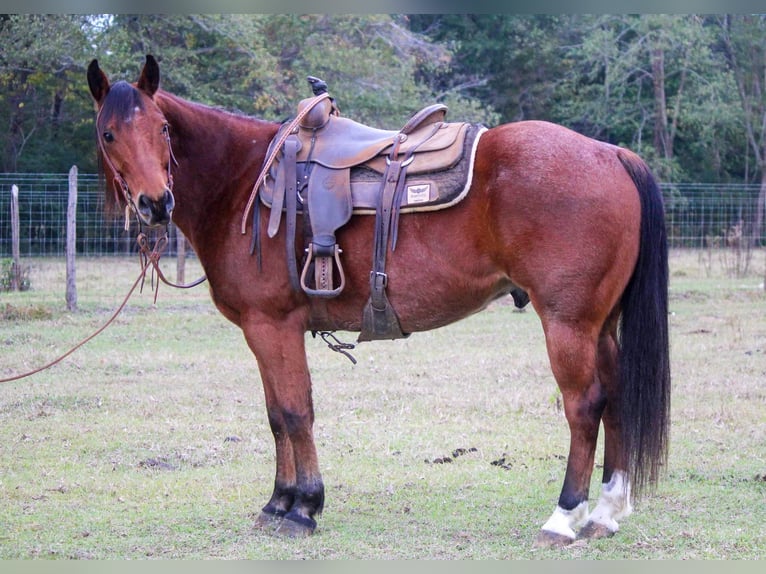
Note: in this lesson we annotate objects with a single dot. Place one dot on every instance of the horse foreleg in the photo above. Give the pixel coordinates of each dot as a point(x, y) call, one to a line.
point(572, 354)
point(298, 488)
point(283, 495)
point(614, 501)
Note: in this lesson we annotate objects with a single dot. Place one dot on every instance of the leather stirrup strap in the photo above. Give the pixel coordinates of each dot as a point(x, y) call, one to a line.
point(291, 205)
point(379, 279)
point(379, 320)
point(276, 203)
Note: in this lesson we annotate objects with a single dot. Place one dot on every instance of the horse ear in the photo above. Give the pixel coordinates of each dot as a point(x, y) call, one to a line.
point(149, 81)
point(97, 82)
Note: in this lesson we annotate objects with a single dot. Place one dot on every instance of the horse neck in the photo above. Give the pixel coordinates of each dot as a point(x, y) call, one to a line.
point(219, 156)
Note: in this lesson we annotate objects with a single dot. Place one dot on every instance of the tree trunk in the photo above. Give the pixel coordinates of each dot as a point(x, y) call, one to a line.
point(662, 143)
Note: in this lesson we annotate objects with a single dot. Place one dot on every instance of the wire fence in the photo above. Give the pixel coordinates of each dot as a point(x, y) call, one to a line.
point(43, 218)
point(699, 216)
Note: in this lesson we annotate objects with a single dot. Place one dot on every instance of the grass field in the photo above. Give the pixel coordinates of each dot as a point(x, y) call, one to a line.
point(152, 441)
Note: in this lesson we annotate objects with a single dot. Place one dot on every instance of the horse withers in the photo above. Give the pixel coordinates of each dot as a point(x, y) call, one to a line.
point(574, 223)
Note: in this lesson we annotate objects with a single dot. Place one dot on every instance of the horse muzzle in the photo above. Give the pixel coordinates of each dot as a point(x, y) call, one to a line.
point(156, 212)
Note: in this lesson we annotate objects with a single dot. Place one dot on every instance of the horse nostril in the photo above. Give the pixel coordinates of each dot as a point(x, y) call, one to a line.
point(144, 204)
point(156, 212)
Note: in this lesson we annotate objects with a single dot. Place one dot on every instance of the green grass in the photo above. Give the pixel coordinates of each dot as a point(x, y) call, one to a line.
point(152, 441)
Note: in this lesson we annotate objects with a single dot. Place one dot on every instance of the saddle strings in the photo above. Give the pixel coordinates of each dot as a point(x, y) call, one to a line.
point(275, 150)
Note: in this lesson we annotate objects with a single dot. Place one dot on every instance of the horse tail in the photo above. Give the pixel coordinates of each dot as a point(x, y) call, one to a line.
point(644, 342)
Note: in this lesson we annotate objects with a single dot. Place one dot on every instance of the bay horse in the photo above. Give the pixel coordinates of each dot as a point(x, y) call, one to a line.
point(576, 224)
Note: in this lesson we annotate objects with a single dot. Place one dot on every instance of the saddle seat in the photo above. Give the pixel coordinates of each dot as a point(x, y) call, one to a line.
point(345, 143)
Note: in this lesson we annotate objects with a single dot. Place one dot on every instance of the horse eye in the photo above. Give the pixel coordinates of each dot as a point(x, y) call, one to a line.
point(108, 137)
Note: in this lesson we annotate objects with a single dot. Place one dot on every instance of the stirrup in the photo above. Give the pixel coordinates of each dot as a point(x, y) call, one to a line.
point(323, 279)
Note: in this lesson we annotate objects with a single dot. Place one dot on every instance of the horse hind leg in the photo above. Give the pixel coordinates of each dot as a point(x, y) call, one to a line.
point(614, 501)
point(613, 505)
point(572, 351)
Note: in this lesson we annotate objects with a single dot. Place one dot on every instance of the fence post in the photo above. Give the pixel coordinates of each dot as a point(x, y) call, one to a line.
point(15, 240)
point(71, 242)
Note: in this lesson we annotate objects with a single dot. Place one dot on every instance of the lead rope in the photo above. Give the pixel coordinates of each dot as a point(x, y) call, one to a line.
point(150, 258)
point(111, 319)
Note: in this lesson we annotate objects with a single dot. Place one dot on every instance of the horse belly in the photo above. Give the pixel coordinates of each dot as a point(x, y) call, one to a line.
point(435, 275)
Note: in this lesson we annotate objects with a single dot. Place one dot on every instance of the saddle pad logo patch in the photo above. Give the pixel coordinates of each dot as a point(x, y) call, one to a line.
point(418, 193)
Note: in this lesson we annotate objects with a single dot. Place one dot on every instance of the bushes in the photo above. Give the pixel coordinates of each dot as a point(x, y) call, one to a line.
point(7, 272)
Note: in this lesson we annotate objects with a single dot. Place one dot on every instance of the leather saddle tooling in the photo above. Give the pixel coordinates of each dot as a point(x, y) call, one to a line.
point(330, 167)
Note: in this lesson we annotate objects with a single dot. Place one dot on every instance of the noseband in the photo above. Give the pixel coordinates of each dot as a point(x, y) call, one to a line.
point(120, 181)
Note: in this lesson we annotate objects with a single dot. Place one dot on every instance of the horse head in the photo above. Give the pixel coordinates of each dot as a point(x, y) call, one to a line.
point(134, 142)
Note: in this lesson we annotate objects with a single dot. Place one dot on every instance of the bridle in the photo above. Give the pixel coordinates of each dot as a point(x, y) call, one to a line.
point(118, 180)
point(149, 255)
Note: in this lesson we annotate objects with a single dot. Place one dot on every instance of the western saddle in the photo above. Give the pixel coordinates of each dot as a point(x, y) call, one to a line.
point(327, 167)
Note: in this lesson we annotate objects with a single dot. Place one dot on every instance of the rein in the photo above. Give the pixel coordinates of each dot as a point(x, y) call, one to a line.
point(150, 257)
point(276, 149)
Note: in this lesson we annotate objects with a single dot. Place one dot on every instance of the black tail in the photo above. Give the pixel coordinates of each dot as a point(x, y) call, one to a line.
point(644, 341)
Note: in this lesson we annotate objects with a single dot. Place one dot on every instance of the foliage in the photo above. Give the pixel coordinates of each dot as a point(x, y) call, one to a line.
point(683, 90)
point(40, 104)
point(8, 271)
point(509, 62)
point(258, 63)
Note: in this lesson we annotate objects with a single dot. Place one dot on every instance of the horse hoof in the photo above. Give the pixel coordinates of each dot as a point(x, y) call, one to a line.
point(548, 539)
point(267, 521)
point(594, 530)
point(298, 527)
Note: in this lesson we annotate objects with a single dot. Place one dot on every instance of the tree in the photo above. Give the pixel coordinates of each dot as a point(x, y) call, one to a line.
point(684, 91)
point(511, 63)
point(258, 64)
point(39, 57)
point(251, 63)
point(743, 39)
point(639, 81)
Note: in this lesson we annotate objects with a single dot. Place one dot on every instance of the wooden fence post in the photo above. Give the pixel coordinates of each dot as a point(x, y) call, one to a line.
point(71, 242)
point(15, 240)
